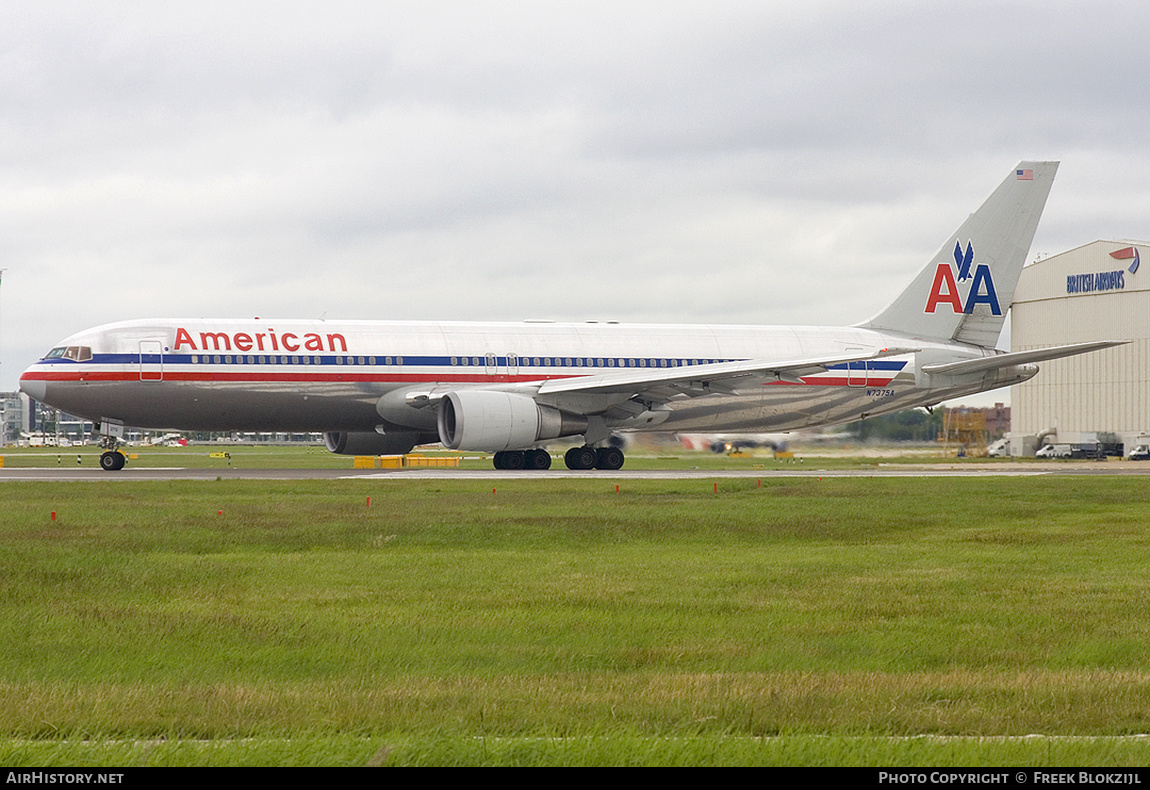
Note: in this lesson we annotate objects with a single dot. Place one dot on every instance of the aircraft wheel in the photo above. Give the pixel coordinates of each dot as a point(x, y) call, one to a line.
point(111, 461)
point(609, 458)
point(580, 458)
point(508, 459)
point(537, 459)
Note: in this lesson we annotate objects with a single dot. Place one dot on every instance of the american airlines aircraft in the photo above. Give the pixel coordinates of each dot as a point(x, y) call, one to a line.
point(382, 387)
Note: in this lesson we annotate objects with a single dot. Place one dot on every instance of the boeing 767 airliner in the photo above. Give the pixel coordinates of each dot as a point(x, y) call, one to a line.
point(382, 387)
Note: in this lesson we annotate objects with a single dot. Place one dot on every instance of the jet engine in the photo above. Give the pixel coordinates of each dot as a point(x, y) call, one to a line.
point(493, 421)
point(372, 443)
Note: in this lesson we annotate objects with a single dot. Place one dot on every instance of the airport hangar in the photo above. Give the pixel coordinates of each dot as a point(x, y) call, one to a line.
point(1094, 292)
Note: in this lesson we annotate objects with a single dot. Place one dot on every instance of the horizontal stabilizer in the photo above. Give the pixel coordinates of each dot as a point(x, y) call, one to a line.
point(1018, 358)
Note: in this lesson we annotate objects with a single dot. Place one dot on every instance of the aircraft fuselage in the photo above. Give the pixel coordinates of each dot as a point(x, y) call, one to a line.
point(331, 376)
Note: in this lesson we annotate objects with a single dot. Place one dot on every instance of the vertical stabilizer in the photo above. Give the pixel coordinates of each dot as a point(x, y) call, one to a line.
point(964, 292)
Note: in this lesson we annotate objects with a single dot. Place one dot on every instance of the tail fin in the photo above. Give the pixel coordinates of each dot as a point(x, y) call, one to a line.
point(964, 292)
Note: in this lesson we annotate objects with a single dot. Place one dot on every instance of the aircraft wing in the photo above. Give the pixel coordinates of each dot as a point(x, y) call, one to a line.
point(606, 390)
point(696, 380)
point(1019, 358)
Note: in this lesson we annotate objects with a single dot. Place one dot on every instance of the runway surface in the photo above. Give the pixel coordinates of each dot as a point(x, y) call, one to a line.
point(67, 475)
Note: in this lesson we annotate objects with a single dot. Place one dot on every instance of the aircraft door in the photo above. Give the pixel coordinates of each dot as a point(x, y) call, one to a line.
point(151, 360)
point(856, 371)
point(856, 374)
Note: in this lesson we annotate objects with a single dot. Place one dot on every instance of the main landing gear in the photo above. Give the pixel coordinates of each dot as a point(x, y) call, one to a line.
point(523, 459)
point(585, 457)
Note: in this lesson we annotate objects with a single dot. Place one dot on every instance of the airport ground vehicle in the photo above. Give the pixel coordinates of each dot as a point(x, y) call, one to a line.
point(1054, 451)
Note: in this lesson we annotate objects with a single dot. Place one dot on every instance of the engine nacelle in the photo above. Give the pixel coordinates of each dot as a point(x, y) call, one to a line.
point(372, 443)
point(492, 421)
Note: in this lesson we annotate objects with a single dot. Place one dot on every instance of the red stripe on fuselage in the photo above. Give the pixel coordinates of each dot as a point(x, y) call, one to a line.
point(324, 378)
point(134, 375)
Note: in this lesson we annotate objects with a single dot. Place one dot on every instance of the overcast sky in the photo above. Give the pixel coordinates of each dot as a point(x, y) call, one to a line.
point(729, 162)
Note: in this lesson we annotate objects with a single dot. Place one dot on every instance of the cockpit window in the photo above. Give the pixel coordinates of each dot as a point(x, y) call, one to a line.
point(74, 353)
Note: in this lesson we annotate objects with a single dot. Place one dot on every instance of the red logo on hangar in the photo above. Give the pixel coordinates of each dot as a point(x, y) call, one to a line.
point(1127, 254)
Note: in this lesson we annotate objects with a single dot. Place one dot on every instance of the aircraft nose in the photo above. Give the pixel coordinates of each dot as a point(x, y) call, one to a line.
point(33, 388)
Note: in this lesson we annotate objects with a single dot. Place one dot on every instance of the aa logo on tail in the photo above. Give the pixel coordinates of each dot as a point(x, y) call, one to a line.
point(944, 290)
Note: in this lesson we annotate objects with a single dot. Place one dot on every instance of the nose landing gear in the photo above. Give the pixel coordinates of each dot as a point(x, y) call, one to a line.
point(112, 460)
point(111, 432)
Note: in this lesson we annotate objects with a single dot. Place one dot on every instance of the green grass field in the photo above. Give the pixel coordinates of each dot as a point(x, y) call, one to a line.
point(202, 456)
point(835, 622)
point(240, 456)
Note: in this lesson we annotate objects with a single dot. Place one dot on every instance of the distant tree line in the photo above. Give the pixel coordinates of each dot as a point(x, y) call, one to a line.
point(912, 425)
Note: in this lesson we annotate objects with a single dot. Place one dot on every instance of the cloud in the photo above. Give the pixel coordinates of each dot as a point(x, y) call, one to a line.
point(723, 162)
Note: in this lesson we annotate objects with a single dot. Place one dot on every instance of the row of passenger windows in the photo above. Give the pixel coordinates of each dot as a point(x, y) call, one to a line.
point(544, 362)
point(580, 362)
point(251, 359)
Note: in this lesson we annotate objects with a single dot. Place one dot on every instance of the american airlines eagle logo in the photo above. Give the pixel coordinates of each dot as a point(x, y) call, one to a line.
point(944, 290)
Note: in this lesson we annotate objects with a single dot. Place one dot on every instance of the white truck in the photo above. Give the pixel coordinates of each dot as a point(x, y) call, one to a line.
point(1055, 451)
